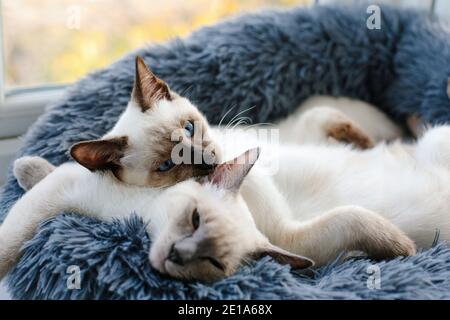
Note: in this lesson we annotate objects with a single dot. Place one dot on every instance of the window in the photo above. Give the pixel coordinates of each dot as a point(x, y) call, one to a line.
point(58, 41)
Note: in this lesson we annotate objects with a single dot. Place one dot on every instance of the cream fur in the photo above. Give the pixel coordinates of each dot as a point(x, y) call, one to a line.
point(322, 199)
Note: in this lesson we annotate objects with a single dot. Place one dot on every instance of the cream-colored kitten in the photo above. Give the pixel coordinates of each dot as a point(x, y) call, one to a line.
point(321, 200)
point(71, 187)
point(138, 149)
point(201, 229)
point(227, 234)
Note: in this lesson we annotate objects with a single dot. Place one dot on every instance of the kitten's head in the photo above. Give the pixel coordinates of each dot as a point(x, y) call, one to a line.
point(159, 140)
point(210, 230)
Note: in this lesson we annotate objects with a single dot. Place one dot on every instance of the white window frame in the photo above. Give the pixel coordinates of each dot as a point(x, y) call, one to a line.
point(21, 107)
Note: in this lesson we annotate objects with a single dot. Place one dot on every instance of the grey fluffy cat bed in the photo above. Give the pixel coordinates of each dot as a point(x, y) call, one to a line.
point(272, 60)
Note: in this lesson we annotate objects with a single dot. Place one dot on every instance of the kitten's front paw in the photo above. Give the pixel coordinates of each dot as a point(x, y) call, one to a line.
point(348, 132)
point(30, 170)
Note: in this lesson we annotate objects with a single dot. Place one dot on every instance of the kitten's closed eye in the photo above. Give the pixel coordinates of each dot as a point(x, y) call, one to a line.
point(195, 219)
point(216, 263)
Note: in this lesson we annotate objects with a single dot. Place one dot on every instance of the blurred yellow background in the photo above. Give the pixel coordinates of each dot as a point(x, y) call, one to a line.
point(57, 41)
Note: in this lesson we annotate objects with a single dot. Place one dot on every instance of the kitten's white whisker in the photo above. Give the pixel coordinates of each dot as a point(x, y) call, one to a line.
point(241, 112)
point(241, 121)
point(224, 116)
point(185, 90)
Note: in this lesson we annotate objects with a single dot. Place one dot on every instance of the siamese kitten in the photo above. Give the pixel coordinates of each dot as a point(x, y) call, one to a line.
point(138, 149)
point(322, 200)
point(202, 229)
point(72, 187)
point(108, 198)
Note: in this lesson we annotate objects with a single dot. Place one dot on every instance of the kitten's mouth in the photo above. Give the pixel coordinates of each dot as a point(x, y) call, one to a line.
point(170, 268)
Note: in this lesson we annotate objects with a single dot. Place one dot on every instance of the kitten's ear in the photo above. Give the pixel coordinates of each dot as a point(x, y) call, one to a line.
point(148, 88)
point(229, 175)
point(283, 257)
point(99, 154)
point(448, 88)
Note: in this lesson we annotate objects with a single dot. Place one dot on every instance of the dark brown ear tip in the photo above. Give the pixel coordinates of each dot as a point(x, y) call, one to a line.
point(141, 66)
point(139, 60)
point(73, 149)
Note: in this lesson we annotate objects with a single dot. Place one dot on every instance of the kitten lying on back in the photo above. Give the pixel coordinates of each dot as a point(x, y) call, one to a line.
point(324, 199)
point(201, 229)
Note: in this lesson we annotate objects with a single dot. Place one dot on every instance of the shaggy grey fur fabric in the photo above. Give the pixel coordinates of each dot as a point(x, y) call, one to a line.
point(272, 60)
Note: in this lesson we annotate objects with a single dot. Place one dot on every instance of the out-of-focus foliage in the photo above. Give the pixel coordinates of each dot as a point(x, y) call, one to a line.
point(50, 41)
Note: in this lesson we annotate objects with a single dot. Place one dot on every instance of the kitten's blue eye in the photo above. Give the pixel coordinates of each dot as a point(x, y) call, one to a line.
point(189, 129)
point(166, 165)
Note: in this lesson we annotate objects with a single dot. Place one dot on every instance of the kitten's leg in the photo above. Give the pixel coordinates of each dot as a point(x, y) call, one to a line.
point(30, 170)
point(268, 205)
point(45, 200)
point(325, 125)
point(349, 228)
point(434, 147)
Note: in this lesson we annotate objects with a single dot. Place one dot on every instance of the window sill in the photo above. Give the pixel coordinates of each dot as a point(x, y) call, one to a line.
point(8, 149)
point(22, 107)
point(18, 112)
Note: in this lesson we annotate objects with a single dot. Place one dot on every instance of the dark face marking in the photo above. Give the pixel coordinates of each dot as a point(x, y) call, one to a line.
point(161, 143)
